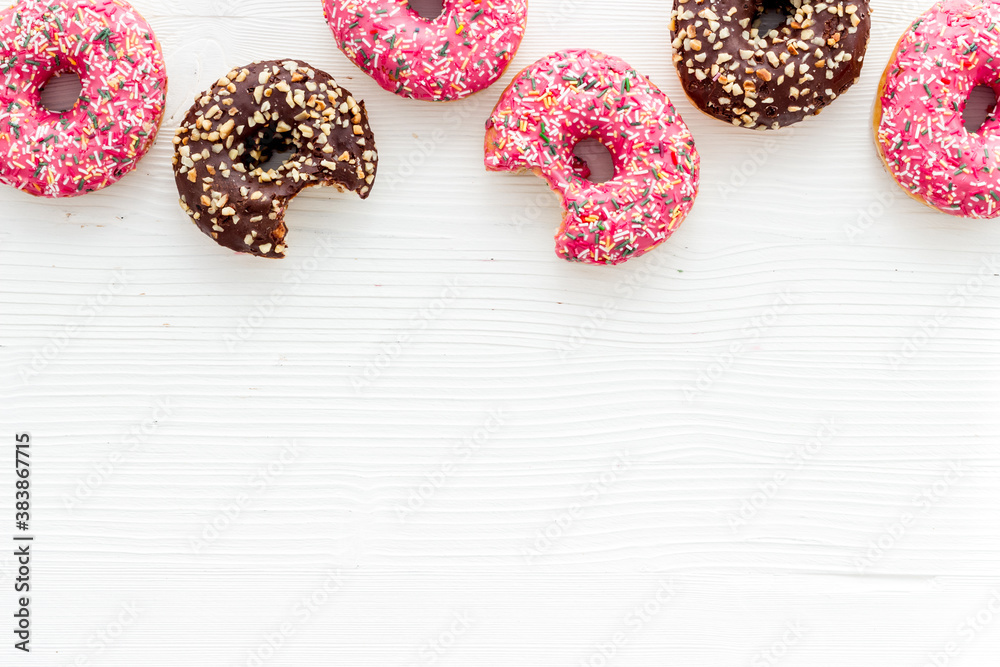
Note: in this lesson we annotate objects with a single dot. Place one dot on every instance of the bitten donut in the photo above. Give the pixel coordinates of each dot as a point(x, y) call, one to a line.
point(579, 94)
point(113, 123)
point(250, 115)
point(464, 50)
point(733, 72)
point(919, 124)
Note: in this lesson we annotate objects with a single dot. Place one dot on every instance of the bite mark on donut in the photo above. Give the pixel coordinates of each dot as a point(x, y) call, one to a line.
point(579, 94)
point(233, 129)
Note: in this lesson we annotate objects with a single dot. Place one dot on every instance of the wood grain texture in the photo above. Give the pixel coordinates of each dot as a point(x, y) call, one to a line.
point(476, 454)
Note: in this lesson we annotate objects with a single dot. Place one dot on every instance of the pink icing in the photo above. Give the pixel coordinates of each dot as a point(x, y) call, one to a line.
point(113, 50)
point(466, 49)
point(578, 94)
point(941, 59)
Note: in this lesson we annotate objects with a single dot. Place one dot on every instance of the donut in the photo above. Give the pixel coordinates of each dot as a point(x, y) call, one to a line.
point(580, 94)
point(461, 52)
point(113, 123)
point(768, 81)
point(919, 125)
point(250, 115)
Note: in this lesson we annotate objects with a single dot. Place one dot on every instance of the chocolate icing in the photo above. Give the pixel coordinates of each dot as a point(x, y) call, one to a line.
point(251, 114)
point(773, 80)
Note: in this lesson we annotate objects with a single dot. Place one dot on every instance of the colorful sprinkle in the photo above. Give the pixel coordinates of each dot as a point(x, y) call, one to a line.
point(656, 164)
point(112, 125)
point(462, 51)
point(920, 126)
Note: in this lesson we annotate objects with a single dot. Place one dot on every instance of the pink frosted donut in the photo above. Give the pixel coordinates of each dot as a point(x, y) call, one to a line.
point(949, 51)
point(578, 94)
point(102, 138)
point(464, 50)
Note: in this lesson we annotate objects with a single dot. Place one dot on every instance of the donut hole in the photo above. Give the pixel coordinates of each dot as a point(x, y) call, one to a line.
point(773, 15)
point(427, 9)
point(979, 108)
point(270, 150)
point(277, 159)
point(61, 92)
point(594, 161)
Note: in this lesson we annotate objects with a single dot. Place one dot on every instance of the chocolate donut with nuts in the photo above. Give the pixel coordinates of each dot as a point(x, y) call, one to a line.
point(766, 80)
point(247, 117)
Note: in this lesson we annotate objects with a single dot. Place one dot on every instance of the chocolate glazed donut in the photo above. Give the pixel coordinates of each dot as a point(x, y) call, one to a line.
point(767, 81)
point(250, 115)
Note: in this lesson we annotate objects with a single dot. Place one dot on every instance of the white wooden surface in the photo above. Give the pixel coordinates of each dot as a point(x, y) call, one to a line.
point(423, 439)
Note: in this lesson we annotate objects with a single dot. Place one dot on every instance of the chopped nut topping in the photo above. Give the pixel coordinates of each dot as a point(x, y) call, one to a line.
point(233, 130)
